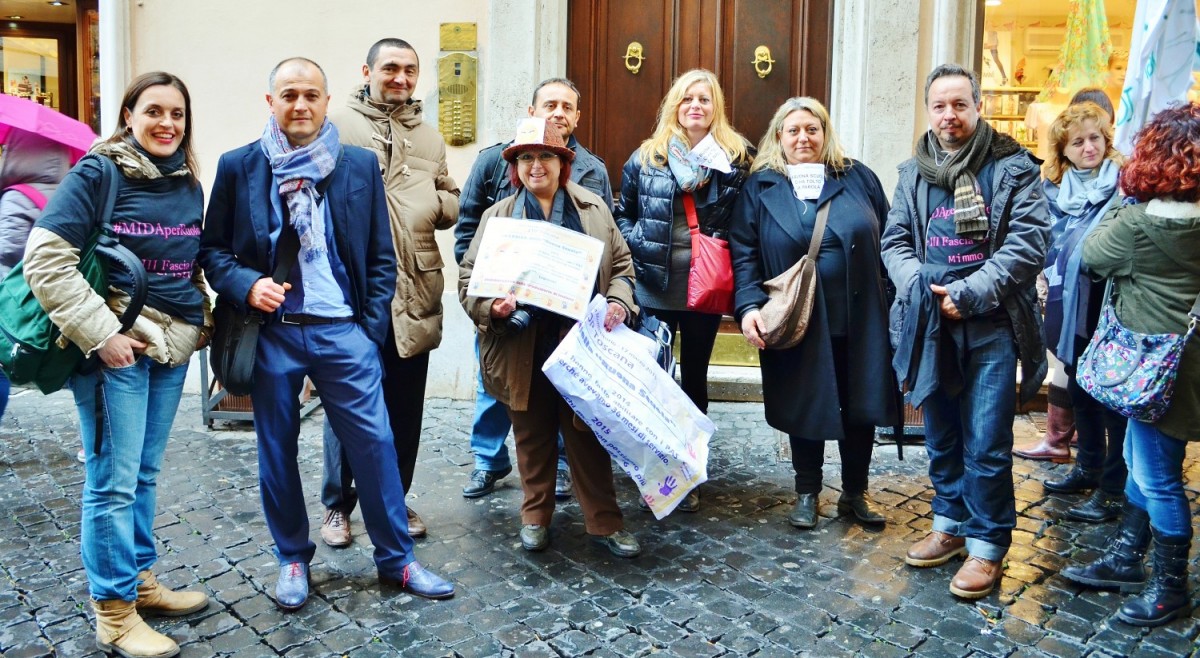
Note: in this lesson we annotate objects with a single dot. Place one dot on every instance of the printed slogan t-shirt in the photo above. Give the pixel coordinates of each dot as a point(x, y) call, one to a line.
point(158, 220)
point(945, 247)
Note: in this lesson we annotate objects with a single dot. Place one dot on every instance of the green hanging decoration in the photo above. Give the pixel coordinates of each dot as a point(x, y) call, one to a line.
point(1086, 48)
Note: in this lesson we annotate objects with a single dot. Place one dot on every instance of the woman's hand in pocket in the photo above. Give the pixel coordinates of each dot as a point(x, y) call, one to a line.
point(120, 351)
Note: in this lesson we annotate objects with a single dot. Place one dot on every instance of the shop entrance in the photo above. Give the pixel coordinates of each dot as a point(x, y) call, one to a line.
point(49, 54)
point(1028, 76)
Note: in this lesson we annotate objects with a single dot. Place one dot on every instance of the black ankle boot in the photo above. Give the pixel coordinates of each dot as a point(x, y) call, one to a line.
point(1078, 480)
point(1166, 595)
point(1121, 565)
point(1101, 506)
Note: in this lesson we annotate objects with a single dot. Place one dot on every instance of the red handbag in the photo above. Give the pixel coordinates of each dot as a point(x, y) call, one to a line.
point(710, 278)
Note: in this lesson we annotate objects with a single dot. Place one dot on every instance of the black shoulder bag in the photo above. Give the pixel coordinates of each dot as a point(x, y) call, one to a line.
point(235, 336)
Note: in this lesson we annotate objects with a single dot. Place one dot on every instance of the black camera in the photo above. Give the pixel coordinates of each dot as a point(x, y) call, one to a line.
point(522, 317)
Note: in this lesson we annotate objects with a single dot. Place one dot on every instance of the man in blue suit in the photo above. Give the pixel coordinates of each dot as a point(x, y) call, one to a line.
point(326, 321)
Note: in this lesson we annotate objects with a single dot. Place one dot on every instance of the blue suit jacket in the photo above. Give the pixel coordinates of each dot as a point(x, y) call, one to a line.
point(236, 249)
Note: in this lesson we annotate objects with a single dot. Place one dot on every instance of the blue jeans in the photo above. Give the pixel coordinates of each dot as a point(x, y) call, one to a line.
point(132, 408)
point(1155, 482)
point(4, 386)
point(969, 438)
point(490, 428)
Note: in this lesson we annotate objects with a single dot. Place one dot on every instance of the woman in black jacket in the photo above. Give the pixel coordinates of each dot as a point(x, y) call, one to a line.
point(847, 340)
point(651, 215)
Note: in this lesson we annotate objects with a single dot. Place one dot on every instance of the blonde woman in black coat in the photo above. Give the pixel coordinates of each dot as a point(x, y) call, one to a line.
point(847, 340)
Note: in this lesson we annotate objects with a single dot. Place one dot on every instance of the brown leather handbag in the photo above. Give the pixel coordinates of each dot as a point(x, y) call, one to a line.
point(790, 295)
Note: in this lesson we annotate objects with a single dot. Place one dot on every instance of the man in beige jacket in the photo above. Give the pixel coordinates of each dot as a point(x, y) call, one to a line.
point(422, 198)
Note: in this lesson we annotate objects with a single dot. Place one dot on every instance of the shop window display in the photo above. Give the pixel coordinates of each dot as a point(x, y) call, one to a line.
point(1037, 54)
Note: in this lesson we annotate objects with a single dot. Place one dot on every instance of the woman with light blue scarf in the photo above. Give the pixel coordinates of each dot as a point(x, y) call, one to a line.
point(1081, 186)
point(667, 186)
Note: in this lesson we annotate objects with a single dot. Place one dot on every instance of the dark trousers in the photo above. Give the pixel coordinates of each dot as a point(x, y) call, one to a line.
point(345, 366)
point(535, 433)
point(700, 331)
point(1101, 438)
point(404, 394)
point(808, 453)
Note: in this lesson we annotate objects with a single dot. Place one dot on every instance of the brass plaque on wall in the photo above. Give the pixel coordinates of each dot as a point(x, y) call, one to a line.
point(458, 36)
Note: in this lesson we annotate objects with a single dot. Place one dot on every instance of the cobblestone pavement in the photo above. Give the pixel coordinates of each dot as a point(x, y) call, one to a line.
point(732, 580)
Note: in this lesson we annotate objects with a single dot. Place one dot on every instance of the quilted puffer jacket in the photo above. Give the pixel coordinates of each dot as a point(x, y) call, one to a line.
point(645, 212)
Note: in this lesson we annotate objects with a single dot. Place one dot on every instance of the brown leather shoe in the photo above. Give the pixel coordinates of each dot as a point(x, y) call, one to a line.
point(335, 528)
point(935, 550)
point(416, 527)
point(976, 578)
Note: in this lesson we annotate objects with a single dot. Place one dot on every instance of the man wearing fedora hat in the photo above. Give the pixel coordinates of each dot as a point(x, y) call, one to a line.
point(557, 101)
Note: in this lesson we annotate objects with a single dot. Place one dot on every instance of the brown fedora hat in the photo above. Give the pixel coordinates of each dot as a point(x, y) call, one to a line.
point(536, 134)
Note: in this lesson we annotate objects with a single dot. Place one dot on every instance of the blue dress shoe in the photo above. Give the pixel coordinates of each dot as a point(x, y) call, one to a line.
point(291, 592)
point(418, 580)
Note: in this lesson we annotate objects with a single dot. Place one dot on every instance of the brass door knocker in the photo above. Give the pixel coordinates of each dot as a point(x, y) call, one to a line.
point(633, 57)
point(762, 55)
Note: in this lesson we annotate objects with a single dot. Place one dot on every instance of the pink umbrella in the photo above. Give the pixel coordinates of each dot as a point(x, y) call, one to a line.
point(27, 115)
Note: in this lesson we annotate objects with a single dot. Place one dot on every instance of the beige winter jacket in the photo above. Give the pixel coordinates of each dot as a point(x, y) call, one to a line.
point(422, 198)
point(506, 359)
point(88, 320)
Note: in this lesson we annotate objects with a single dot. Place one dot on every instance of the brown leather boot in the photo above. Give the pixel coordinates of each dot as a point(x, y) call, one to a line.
point(155, 599)
point(935, 550)
point(121, 630)
point(1055, 444)
point(976, 578)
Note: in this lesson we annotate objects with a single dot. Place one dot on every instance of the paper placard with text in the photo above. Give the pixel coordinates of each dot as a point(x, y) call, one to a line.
point(807, 179)
point(708, 153)
point(543, 265)
point(637, 411)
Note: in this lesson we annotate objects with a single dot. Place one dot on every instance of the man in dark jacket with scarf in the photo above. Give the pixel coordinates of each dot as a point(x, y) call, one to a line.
point(327, 320)
point(964, 240)
point(557, 101)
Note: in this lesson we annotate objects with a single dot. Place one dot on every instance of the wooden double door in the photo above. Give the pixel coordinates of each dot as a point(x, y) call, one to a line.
point(623, 55)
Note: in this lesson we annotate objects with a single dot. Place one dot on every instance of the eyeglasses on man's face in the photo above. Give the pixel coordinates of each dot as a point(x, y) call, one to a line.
point(543, 157)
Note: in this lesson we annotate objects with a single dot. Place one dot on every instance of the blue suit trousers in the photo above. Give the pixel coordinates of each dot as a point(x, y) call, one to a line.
point(345, 367)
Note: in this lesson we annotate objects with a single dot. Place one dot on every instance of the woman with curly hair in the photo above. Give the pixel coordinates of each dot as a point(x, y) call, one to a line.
point(1149, 250)
point(660, 187)
point(1080, 179)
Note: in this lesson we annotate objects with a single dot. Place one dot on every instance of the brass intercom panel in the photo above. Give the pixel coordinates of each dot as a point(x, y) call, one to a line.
point(458, 83)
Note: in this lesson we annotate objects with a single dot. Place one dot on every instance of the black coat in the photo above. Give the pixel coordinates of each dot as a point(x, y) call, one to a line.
point(799, 386)
point(646, 211)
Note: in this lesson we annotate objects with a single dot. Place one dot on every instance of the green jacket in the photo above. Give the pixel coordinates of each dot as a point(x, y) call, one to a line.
point(1152, 252)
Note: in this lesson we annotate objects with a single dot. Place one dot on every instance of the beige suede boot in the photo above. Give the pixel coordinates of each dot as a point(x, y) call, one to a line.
point(155, 599)
point(121, 630)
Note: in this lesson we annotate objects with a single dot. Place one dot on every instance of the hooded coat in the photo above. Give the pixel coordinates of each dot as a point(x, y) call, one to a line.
point(33, 160)
point(421, 198)
point(1152, 251)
